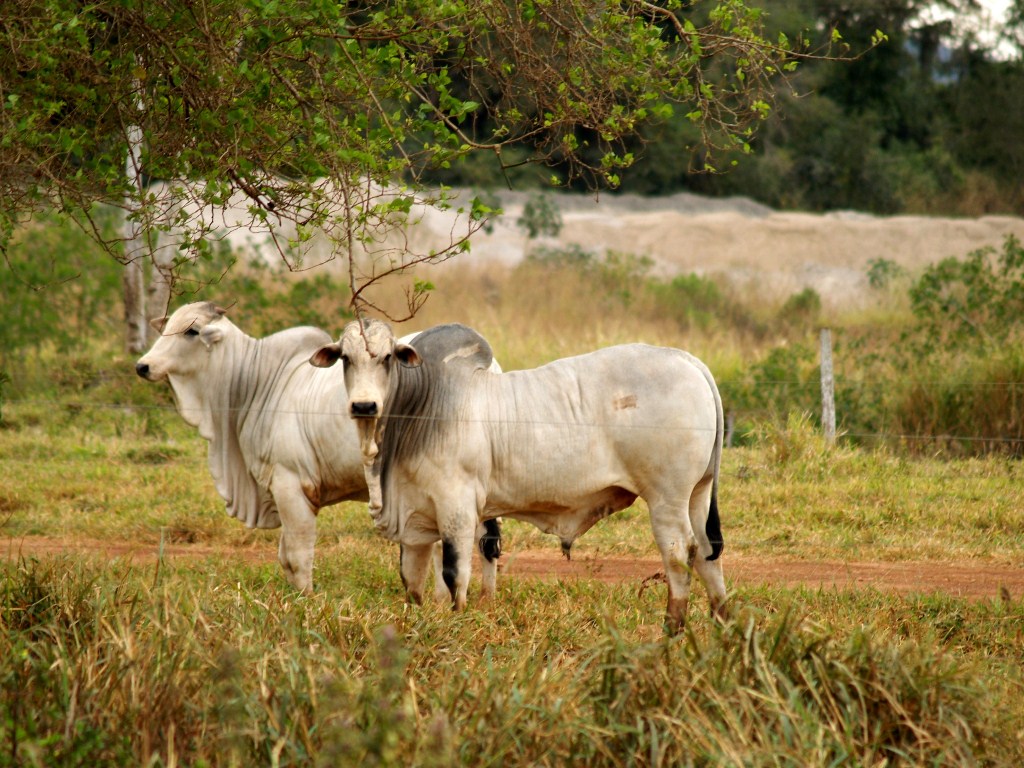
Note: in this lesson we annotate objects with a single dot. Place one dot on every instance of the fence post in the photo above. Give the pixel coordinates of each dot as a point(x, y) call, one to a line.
point(828, 396)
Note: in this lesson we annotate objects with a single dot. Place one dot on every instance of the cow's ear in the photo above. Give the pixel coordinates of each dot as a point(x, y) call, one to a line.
point(211, 334)
point(408, 356)
point(326, 356)
point(158, 324)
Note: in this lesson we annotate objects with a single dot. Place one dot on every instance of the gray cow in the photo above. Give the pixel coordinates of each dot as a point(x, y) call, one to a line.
point(561, 446)
point(281, 443)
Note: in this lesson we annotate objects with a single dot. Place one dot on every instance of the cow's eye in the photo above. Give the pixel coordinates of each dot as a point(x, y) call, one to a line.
point(191, 332)
point(387, 359)
point(344, 360)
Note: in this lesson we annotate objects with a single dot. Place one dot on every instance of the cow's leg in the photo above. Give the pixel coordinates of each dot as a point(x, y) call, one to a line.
point(457, 555)
point(489, 539)
point(678, 547)
point(710, 571)
point(298, 530)
point(441, 593)
point(415, 565)
point(489, 544)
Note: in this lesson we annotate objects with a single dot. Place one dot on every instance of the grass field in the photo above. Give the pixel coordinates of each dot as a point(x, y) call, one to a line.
point(210, 658)
point(214, 660)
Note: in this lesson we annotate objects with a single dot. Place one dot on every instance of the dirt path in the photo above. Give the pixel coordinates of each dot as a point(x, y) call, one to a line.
point(975, 581)
point(970, 580)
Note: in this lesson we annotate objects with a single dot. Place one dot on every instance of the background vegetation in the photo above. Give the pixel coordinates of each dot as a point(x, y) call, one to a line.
point(320, 119)
point(901, 130)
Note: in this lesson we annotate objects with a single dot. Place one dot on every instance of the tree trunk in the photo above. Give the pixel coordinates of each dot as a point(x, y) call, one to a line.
point(159, 294)
point(135, 328)
point(134, 282)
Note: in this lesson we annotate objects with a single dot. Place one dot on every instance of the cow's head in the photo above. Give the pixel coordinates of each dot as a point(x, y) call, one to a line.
point(185, 339)
point(369, 353)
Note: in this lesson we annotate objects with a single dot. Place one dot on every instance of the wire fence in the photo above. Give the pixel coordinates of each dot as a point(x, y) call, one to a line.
point(852, 407)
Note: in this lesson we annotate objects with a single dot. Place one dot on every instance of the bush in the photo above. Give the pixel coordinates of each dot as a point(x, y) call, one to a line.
point(801, 308)
point(883, 272)
point(971, 406)
point(616, 275)
point(4, 381)
point(956, 382)
point(691, 300)
point(540, 217)
point(978, 300)
point(787, 380)
point(59, 288)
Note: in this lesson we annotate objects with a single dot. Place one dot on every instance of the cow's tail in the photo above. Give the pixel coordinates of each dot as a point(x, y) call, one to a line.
point(713, 526)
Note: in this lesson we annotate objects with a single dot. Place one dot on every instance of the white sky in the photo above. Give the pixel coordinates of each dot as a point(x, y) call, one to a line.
point(997, 7)
point(986, 25)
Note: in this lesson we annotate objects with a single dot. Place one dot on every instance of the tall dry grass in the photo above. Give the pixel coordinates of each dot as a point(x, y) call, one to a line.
point(114, 665)
point(533, 313)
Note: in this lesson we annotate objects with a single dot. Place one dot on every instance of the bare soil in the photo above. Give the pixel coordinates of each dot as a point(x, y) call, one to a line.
point(970, 580)
point(973, 580)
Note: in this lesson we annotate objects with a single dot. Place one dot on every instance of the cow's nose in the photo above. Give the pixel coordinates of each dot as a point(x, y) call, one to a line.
point(364, 409)
point(142, 369)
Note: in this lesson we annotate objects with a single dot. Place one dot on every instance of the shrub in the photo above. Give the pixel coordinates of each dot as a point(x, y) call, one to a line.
point(971, 406)
point(691, 300)
point(572, 256)
point(883, 272)
point(801, 308)
point(787, 380)
point(540, 217)
point(4, 381)
point(978, 300)
point(616, 275)
point(59, 288)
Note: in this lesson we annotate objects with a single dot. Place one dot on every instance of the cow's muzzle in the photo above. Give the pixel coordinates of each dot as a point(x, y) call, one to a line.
point(363, 410)
point(142, 369)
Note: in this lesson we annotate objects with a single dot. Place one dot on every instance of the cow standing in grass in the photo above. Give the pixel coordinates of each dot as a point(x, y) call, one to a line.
point(561, 446)
point(281, 443)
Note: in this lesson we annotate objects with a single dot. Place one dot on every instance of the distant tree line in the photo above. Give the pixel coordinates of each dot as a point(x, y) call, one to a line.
point(928, 122)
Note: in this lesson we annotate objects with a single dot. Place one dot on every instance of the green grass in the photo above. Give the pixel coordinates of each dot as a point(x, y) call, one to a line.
point(139, 473)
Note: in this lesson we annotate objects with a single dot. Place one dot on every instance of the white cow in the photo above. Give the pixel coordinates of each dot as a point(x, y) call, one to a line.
point(281, 443)
point(561, 446)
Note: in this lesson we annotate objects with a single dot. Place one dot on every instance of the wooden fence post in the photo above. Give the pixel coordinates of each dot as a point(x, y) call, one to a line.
point(828, 396)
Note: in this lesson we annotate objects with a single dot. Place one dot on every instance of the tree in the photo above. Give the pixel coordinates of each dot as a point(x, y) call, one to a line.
point(324, 116)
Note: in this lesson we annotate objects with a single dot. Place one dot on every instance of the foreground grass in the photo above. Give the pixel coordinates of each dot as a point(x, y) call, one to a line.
point(216, 661)
point(125, 665)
